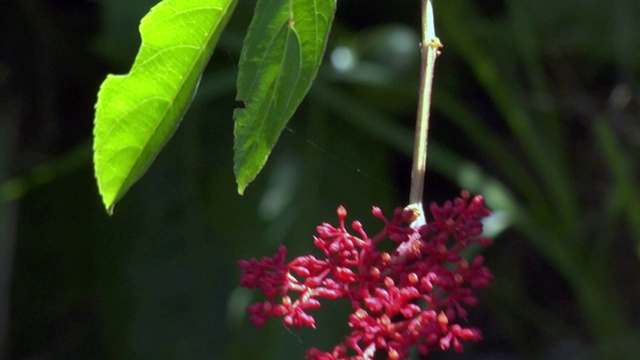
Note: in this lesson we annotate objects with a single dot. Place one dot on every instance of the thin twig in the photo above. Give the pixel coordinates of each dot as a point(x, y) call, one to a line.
point(429, 46)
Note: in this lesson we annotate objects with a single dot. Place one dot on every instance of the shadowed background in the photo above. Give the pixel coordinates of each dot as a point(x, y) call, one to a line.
point(536, 106)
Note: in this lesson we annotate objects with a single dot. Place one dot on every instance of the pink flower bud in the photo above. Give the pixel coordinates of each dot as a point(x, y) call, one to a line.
point(411, 295)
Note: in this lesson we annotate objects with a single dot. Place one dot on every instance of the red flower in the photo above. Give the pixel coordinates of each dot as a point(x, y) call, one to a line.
point(415, 295)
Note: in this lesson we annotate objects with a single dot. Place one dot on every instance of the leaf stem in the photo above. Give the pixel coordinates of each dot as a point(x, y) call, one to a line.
point(429, 46)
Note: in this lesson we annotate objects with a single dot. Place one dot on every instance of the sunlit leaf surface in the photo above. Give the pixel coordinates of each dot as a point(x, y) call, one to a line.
point(137, 113)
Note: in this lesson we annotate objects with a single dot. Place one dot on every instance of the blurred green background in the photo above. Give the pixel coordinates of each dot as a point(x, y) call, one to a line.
point(536, 106)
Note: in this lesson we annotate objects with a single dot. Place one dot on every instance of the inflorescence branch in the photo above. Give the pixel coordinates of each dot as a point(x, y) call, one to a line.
point(416, 294)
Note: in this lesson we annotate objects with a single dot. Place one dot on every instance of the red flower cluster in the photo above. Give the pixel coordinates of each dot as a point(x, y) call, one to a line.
point(414, 295)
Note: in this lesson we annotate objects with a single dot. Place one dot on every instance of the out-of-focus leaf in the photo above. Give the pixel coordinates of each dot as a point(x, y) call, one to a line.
point(624, 184)
point(137, 113)
point(280, 58)
point(41, 174)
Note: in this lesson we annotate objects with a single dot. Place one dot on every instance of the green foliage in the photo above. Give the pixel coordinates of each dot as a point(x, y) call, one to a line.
point(280, 58)
point(158, 279)
point(137, 113)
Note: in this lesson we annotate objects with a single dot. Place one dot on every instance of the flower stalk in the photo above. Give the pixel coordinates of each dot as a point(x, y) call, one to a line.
point(430, 46)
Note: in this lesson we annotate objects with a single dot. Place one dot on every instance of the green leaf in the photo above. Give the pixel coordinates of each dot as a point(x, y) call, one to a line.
point(280, 58)
point(137, 113)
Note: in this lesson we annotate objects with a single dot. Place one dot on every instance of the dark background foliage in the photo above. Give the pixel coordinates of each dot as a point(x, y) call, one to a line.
point(536, 107)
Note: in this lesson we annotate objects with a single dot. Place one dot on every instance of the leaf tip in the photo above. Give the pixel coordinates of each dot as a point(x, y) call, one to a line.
point(109, 206)
point(241, 188)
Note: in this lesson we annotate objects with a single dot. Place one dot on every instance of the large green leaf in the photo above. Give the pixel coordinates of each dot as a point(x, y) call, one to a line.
point(137, 113)
point(280, 58)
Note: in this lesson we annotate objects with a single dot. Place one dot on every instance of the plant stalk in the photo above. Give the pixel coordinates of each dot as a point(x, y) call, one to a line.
point(429, 47)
